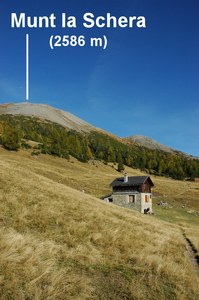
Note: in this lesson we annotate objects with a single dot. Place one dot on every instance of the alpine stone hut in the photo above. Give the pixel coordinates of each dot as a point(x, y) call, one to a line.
point(133, 192)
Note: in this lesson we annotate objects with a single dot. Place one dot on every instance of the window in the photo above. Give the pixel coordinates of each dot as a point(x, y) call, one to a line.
point(131, 198)
point(147, 198)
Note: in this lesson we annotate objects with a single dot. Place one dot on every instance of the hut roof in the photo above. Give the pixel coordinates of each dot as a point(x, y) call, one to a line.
point(131, 181)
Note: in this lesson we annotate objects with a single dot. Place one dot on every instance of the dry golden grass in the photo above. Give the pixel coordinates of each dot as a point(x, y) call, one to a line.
point(175, 192)
point(57, 242)
point(192, 232)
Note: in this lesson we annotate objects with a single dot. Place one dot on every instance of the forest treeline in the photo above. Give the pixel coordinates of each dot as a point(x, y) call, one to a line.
point(16, 131)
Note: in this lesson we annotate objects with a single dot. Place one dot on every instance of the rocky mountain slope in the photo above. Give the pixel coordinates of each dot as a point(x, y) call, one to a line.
point(149, 143)
point(47, 112)
point(70, 121)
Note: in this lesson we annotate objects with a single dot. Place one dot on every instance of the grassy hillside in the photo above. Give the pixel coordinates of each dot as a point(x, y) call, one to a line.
point(57, 242)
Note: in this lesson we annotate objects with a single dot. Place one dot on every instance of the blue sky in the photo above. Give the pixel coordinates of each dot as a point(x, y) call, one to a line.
point(146, 82)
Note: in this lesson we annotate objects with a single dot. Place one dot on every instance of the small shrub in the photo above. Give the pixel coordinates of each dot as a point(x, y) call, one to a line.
point(35, 153)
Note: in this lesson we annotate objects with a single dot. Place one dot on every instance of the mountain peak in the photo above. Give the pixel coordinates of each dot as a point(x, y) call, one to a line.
point(149, 143)
point(46, 112)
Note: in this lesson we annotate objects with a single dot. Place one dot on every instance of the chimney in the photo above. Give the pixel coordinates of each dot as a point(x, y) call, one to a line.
point(125, 177)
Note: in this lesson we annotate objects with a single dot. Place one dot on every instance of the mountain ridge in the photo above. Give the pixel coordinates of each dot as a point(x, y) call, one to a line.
point(71, 121)
point(47, 112)
point(149, 143)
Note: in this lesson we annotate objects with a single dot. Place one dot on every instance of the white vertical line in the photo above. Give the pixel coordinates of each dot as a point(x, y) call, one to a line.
point(27, 66)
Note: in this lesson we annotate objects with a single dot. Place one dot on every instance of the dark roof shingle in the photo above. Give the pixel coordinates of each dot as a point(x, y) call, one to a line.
point(132, 181)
